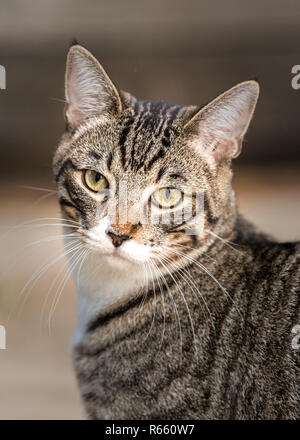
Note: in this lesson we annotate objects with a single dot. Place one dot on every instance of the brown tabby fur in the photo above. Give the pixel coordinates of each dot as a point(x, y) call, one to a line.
point(222, 349)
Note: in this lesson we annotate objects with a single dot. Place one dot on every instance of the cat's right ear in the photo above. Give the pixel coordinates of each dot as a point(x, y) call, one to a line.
point(217, 130)
point(89, 91)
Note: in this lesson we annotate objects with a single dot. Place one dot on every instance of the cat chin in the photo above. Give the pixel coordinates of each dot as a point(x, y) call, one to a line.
point(117, 260)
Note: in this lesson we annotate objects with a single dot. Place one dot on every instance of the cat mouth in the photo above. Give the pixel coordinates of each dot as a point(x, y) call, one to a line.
point(121, 257)
point(116, 255)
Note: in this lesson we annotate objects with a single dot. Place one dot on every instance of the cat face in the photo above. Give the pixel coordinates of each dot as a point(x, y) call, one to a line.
point(143, 181)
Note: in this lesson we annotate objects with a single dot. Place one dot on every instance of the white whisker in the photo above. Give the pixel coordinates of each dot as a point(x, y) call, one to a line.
point(175, 309)
point(37, 188)
point(228, 243)
point(87, 251)
point(186, 275)
point(187, 307)
point(163, 301)
point(39, 272)
point(204, 269)
point(154, 293)
point(73, 263)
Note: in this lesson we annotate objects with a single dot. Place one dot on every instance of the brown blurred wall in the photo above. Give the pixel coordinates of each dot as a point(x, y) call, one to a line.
point(180, 51)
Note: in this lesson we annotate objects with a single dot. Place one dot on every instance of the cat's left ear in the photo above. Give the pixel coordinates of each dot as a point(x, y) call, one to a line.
point(217, 130)
point(88, 89)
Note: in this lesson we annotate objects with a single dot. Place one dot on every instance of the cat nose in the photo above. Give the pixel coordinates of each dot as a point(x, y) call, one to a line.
point(117, 238)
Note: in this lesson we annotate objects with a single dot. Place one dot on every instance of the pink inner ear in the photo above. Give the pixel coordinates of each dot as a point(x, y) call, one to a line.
point(228, 149)
point(74, 116)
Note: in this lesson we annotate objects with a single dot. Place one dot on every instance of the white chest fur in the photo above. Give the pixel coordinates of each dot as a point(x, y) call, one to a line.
point(101, 283)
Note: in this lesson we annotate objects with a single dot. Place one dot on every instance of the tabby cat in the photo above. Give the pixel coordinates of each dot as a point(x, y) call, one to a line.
point(189, 319)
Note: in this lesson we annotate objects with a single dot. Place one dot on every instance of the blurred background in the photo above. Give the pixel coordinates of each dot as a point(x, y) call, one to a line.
point(184, 52)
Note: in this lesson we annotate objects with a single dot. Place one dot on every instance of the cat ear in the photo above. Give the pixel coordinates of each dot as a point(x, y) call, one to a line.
point(217, 130)
point(89, 91)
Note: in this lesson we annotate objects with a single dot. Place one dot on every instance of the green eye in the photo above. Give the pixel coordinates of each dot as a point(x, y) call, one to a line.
point(94, 181)
point(167, 197)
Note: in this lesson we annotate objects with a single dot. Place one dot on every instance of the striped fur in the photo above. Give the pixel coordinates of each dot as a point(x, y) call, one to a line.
point(240, 364)
point(177, 323)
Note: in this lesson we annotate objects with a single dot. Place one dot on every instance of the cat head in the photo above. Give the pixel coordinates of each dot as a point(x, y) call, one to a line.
point(143, 181)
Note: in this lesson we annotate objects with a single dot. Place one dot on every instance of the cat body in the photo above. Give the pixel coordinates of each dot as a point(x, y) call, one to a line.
point(238, 364)
point(189, 319)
